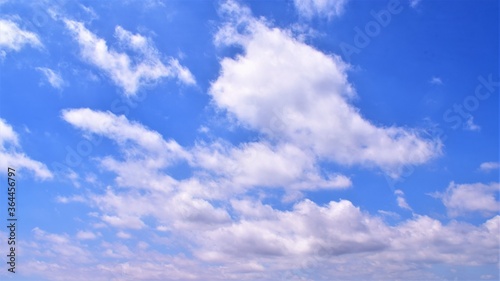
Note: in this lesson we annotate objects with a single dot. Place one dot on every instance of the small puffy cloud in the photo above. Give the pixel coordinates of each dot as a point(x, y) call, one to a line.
point(436, 81)
point(462, 199)
point(13, 38)
point(489, 166)
point(293, 93)
point(401, 200)
point(129, 73)
point(469, 125)
point(320, 8)
point(12, 156)
point(52, 77)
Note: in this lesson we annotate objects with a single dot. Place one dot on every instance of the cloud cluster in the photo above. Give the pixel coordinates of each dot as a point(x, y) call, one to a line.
point(213, 214)
point(220, 220)
point(293, 93)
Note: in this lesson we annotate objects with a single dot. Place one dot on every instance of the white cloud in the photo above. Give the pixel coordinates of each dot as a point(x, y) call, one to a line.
point(414, 3)
point(436, 81)
point(125, 133)
point(62, 246)
point(12, 37)
point(488, 166)
point(54, 79)
point(321, 8)
point(401, 200)
point(261, 164)
point(469, 125)
point(11, 155)
point(294, 93)
point(70, 199)
point(129, 73)
point(86, 235)
point(338, 235)
point(461, 199)
point(123, 235)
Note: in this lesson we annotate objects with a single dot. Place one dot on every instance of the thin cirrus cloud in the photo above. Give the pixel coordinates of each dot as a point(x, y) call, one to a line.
point(308, 87)
point(13, 38)
point(52, 77)
point(320, 8)
point(119, 66)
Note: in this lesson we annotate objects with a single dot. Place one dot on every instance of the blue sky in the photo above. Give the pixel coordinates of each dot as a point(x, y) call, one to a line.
point(251, 140)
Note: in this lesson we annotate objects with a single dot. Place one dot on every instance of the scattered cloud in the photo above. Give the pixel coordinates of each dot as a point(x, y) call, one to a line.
point(320, 8)
point(469, 125)
point(414, 3)
point(123, 235)
point(53, 78)
point(12, 156)
point(463, 199)
point(86, 235)
point(401, 200)
point(13, 38)
point(436, 81)
point(308, 87)
point(129, 73)
point(489, 166)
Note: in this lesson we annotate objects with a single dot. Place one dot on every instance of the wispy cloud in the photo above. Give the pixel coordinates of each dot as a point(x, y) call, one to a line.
point(401, 200)
point(13, 38)
point(12, 156)
point(129, 73)
point(436, 81)
point(321, 8)
point(469, 125)
point(52, 77)
point(489, 166)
